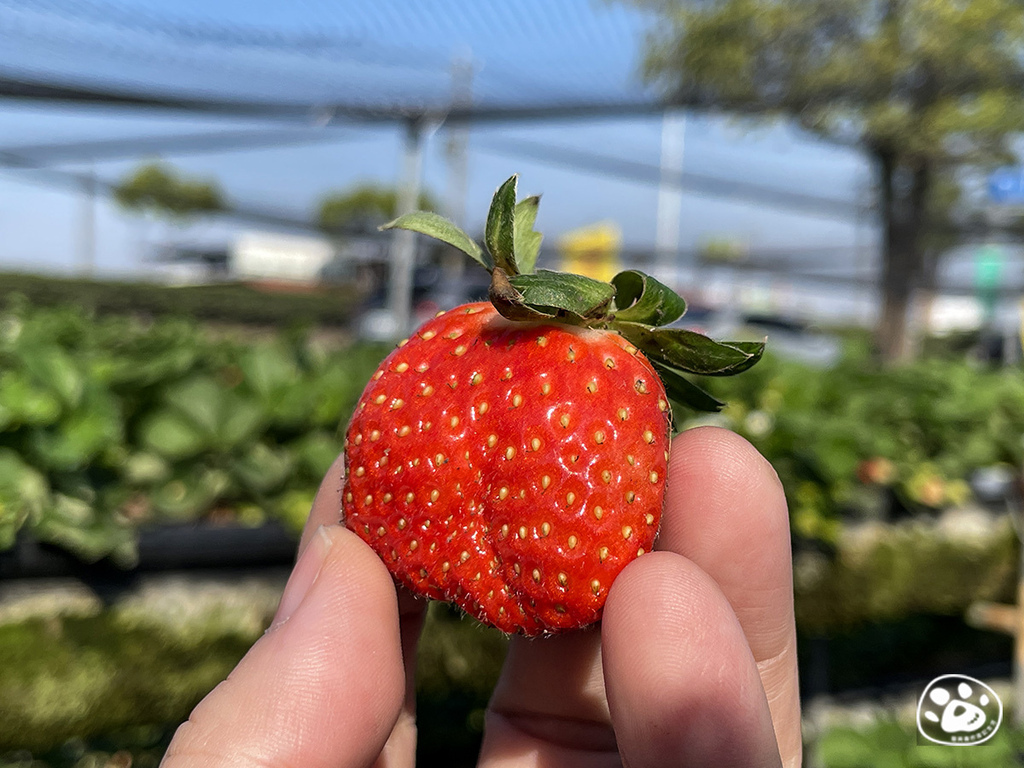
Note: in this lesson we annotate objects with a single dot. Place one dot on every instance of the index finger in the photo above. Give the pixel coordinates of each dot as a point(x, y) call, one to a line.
point(401, 747)
point(726, 511)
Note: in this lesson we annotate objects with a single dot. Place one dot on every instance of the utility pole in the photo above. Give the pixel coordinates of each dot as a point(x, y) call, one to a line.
point(457, 155)
point(670, 195)
point(403, 243)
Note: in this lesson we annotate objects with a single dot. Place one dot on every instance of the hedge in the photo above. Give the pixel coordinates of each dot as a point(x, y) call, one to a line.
point(72, 668)
point(231, 303)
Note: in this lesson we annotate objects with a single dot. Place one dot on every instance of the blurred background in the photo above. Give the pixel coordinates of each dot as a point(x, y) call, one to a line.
point(193, 292)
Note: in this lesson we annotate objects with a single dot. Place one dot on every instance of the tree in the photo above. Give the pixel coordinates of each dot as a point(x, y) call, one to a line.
point(159, 189)
point(923, 86)
point(363, 208)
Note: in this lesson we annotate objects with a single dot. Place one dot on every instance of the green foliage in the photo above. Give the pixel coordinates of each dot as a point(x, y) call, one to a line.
point(440, 228)
point(158, 188)
point(228, 303)
point(108, 424)
point(458, 663)
point(365, 206)
point(909, 75)
point(889, 572)
point(72, 668)
point(889, 743)
point(844, 437)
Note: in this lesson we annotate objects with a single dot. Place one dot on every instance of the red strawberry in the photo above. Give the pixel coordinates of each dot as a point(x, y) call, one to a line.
point(511, 456)
point(514, 468)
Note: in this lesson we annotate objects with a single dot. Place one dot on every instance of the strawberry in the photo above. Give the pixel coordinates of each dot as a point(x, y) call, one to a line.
point(511, 455)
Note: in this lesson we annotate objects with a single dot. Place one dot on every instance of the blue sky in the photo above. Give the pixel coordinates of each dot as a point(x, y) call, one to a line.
point(392, 52)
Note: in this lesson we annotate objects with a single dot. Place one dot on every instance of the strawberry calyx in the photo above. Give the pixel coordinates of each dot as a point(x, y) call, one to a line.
point(633, 304)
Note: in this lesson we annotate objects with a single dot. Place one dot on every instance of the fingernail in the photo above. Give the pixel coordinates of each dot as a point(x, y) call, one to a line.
point(304, 575)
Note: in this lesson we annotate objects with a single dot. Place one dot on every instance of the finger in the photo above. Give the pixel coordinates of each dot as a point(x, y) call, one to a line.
point(726, 511)
point(324, 686)
point(326, 511)
point(549, 706)
point(683, 687)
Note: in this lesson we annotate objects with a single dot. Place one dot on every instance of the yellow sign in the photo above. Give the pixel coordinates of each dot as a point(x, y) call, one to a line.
point(592, 250)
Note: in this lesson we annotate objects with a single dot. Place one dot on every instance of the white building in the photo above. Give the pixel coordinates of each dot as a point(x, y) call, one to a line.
point(271, 256)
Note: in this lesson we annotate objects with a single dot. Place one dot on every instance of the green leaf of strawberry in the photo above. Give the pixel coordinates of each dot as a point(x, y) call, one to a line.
point(684, 391)
point(440, 228)
point(576, 296)
point(499, 234)
point(526, 240)
point(691, 351)
point(639, 298)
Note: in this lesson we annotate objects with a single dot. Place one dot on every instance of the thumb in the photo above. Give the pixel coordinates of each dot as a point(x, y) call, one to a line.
point(325, 684)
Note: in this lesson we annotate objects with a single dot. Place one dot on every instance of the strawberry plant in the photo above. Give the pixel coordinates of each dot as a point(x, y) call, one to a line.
point(510, 456)
point(838, 436)
point(109, 424)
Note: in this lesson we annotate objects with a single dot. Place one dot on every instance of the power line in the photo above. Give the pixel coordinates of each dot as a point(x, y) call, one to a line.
point(647, 173)
point(42, 89)
point(179, 144)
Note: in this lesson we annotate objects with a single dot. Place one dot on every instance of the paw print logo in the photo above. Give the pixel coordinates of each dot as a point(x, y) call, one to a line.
point(959, 711)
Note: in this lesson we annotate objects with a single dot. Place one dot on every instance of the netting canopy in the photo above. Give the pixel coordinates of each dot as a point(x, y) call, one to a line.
point(385, 58)
point(498, 75)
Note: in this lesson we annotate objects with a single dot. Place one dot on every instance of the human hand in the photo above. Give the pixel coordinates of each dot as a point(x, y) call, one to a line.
point(693, 664)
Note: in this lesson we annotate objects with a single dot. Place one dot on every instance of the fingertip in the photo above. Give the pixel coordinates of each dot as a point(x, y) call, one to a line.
point(726, 510)
point(683, 687)
point(721, 456)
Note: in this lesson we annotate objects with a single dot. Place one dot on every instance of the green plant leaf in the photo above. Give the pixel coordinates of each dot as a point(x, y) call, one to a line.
point(82, 436)
point(684, 391)
point(24, 495)
point(639, 298)
point(691, 351)
point(243, 420)
point(169, 435)
point(75, 524)
point(560, 293)
point(499, 234)
point(440, 228)
point(262, 469)
point(269, 369)
point(201, 399)
point(56, 371)
point(272, 373)
point(24, 402)
point(144, 468)
point(191, 493)
point(315, 452)
point(527, 239)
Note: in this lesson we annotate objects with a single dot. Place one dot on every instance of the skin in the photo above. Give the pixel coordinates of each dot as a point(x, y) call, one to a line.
point(693, 664)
